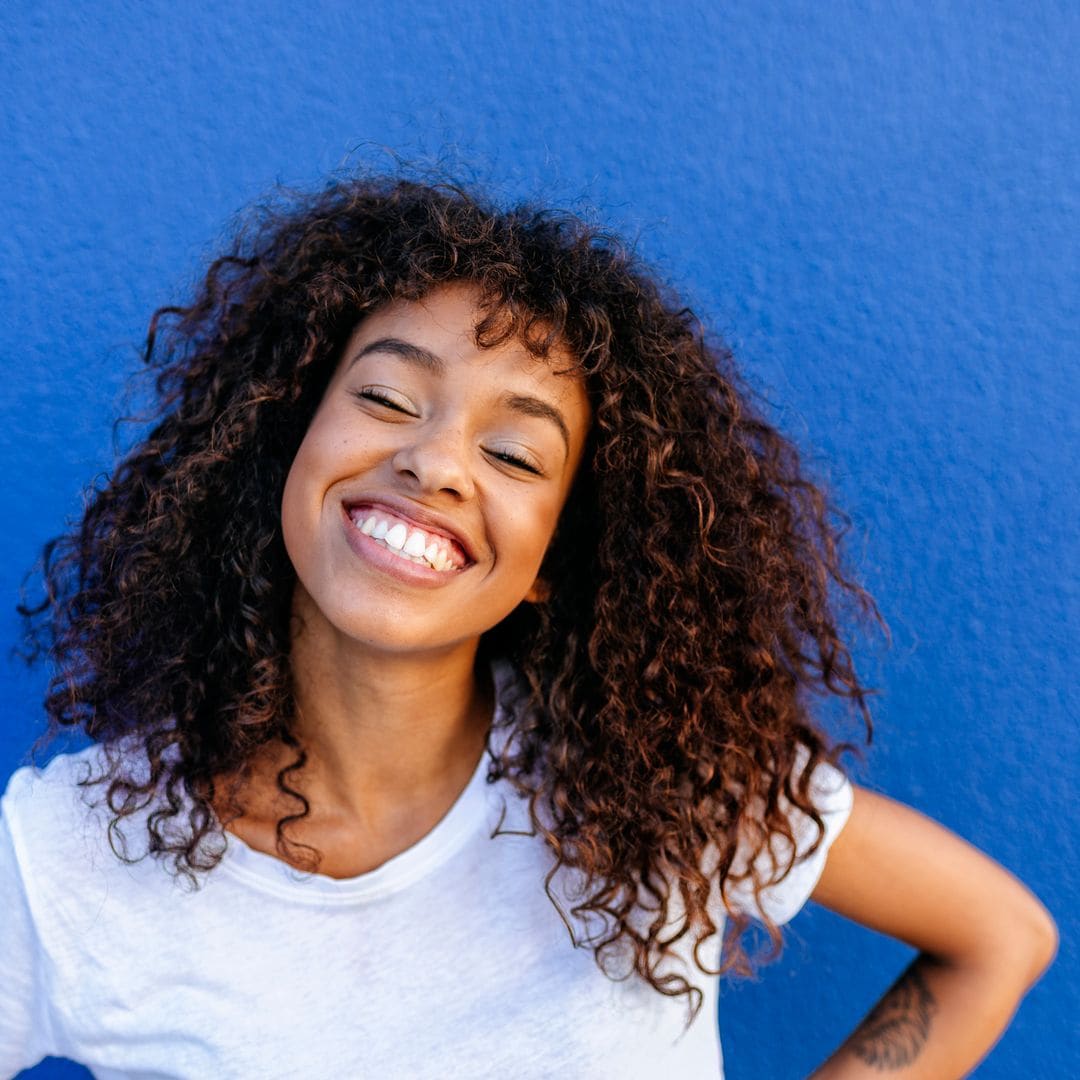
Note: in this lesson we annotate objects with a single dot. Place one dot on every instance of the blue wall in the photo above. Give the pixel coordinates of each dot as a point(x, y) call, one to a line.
point(875, 202)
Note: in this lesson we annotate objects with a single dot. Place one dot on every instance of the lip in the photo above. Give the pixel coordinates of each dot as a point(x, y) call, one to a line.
point(422, 518)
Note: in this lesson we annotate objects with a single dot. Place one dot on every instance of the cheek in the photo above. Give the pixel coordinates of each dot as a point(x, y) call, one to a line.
point(292, 530)
point(331, 451)
point(301, 500)
point(538, 531)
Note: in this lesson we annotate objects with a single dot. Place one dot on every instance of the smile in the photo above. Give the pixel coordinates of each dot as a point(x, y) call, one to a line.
point(406, 541)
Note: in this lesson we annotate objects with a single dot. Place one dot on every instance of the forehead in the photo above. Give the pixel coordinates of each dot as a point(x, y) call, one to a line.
point(444, 323)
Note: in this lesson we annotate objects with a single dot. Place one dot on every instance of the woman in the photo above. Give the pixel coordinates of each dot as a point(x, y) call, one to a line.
point(452, 637)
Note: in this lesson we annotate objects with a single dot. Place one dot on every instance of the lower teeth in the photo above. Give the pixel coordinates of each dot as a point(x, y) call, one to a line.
point(419, 560)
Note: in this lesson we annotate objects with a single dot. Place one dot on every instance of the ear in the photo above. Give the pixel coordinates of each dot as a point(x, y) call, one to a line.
point(539, 592)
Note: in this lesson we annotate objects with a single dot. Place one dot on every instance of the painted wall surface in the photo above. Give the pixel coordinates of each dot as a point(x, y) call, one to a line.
point(874, 202)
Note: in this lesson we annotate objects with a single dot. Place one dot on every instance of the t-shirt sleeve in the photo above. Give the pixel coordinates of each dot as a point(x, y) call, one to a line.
point(832, 795)
point(25, 1029)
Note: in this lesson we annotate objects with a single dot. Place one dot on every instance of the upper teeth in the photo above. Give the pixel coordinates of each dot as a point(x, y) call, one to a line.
point(409, 543)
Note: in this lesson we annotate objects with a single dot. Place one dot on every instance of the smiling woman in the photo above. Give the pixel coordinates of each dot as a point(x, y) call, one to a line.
point(459, 573)
point(423, 429)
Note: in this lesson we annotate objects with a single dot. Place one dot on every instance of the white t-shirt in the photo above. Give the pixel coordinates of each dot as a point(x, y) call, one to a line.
point(447, 961)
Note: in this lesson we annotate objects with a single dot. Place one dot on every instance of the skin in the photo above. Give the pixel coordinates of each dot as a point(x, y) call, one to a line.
point(392, 711)
point(393, 714)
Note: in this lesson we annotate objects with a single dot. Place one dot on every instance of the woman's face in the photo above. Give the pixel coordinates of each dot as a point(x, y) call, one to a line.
point(426, 491)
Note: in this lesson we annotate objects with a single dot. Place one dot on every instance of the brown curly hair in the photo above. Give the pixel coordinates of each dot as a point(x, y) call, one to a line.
point(671, 671)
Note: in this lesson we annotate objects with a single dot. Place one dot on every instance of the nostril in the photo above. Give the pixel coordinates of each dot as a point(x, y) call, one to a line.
point(433, 467)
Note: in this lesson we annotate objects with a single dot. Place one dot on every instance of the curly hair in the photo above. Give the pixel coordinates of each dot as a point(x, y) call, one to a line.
point(672, 671)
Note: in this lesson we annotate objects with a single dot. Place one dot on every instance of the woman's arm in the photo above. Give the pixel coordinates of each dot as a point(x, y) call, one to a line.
point(984, 941)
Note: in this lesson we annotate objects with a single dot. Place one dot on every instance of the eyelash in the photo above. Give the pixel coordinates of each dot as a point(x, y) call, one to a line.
point(516, 461)
point(381, 399)
point(500, 455)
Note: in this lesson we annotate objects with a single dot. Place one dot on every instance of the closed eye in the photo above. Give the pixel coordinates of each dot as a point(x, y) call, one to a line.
point(516, 460)
point(380, 397)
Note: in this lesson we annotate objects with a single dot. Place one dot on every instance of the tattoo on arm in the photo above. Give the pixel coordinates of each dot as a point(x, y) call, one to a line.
point(896, 1029)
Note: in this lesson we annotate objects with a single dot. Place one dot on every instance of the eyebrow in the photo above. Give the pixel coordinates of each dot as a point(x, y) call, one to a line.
point(428, 361)
point(534, 406)
point(412, 354)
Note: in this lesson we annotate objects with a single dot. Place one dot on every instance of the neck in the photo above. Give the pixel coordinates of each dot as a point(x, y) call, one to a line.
point(382, 732)
point(380, 727)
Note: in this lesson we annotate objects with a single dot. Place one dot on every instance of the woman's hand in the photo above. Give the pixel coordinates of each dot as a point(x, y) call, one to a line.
point(984, 941)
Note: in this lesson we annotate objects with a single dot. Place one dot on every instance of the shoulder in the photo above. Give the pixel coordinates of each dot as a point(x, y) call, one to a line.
point(54, 819)
point(77, 877)
point(789, 869)
point(47, 797)
point(830, 790)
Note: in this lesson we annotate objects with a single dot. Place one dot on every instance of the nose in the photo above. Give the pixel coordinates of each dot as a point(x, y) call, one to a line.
point(437, 460)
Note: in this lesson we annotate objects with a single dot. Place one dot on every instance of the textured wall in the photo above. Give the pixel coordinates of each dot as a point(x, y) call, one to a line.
point(876, 204)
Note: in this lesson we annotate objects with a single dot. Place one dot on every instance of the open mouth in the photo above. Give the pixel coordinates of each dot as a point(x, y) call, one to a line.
point(407, 540)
